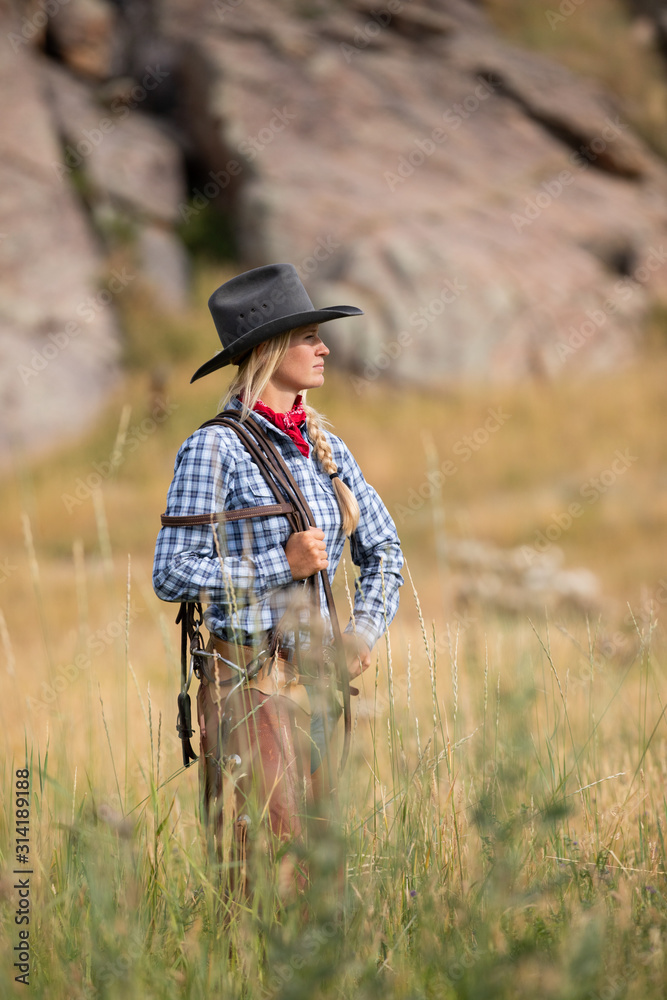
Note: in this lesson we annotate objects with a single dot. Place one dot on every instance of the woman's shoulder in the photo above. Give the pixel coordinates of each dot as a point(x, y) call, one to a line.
point(212, 440)
point(335, 440)
point(342, 454)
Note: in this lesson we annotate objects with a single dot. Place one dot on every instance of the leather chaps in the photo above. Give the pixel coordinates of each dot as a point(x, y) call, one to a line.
point(255, 758)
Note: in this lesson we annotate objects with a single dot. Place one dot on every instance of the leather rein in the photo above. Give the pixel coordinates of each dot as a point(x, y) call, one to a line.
point(291, 503)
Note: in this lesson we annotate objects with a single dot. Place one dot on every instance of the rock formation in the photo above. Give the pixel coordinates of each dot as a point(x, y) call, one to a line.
point(492, 213)
point(58, 336)
point(78, 163)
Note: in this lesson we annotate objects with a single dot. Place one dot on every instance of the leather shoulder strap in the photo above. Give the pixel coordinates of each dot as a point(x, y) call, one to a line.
point(282, 473)
point(282, 506)
point(187, 520)
point(265, 458)
point(290, 501)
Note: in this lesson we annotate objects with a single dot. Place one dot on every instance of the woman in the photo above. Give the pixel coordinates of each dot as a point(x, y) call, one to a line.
point(254, 571)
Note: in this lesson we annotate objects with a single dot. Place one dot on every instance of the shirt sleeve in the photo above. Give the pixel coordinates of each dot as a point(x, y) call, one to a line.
point(188, 565)
point(376, 550)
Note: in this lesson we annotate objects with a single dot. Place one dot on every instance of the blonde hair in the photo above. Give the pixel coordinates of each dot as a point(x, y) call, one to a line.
point(254, 374)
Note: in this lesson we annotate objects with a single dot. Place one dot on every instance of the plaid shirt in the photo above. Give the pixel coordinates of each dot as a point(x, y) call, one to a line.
point(248, 581)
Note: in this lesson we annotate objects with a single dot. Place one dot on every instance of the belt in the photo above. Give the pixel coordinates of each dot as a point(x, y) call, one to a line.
point(286, 491)
point(274, 675)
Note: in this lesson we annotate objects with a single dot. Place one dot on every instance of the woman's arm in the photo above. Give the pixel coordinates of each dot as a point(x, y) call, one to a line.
point(188, 566)
point(376, 550)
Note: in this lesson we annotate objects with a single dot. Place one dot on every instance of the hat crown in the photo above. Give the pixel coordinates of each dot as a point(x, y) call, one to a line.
point(256, 297)
point(258, 305)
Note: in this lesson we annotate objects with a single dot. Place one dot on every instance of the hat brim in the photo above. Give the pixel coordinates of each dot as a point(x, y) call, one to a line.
point(267, 331)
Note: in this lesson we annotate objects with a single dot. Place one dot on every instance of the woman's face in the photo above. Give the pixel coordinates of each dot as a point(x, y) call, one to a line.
point(303, 365)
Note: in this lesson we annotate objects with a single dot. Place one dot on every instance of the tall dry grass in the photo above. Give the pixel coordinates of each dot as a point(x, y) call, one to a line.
point(501, 822)
point(502, 814)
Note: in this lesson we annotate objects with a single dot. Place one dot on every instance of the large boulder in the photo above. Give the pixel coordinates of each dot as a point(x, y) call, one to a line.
point(88, 159)
point(58, 333)
point(491, 212)
point(131, 167)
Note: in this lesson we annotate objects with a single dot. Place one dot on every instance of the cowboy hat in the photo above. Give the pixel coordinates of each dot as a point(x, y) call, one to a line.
point(258, 305)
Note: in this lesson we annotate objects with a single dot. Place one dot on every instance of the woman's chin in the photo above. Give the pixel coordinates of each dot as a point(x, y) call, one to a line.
point(316, 381)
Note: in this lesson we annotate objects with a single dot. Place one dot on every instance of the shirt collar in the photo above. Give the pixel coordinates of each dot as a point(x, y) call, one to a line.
point(235, 404)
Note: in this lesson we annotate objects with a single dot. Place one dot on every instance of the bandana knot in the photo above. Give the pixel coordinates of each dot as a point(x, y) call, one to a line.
point(290, 422)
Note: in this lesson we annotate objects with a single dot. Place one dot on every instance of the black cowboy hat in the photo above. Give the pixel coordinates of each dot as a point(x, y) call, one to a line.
point(259, 305)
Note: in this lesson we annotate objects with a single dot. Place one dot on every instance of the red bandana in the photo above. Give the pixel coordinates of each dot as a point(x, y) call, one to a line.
point(290, 422)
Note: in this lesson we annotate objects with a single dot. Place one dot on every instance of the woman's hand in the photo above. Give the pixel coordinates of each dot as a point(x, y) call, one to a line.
point(357, 653)
point(306, 553)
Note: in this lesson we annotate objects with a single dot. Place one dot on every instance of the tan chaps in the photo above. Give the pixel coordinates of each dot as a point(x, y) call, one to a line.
point(266, 723)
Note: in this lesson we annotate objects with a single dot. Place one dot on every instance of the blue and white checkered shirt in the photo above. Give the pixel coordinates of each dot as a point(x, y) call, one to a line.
point(248, 581)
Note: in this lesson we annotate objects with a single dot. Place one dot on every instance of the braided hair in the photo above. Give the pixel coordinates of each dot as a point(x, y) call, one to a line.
point(254, 373)
point(347, 502)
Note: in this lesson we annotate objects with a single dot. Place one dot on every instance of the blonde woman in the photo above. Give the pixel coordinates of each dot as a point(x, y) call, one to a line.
point(253, 571)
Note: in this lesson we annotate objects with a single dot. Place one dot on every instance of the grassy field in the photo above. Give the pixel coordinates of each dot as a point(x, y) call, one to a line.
point(501, 826)
point(502, 813)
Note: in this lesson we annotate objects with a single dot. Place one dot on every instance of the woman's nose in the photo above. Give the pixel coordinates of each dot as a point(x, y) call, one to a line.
point(322, 348)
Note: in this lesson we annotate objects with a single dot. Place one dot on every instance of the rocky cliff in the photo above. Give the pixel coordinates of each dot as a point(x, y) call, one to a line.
point(494, 215)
